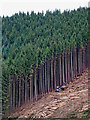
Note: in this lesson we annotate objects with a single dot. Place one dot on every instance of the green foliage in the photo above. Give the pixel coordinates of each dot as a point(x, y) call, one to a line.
point(28, 39)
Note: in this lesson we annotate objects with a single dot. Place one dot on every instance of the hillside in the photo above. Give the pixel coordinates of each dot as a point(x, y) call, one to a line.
point(70, 103)
point(29, 39)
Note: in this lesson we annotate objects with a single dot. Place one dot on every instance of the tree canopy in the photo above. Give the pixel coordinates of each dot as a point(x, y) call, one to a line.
point(30, 39)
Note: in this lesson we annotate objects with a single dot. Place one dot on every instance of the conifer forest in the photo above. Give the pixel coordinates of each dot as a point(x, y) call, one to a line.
point(41, 51)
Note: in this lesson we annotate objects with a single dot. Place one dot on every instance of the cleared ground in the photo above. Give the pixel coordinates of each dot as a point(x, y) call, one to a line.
point(70, 103)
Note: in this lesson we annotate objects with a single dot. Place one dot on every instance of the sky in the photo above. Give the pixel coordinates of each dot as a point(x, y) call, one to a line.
point(10, 7)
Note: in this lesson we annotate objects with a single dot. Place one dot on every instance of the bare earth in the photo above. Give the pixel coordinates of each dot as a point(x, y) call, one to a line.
point(70, 103)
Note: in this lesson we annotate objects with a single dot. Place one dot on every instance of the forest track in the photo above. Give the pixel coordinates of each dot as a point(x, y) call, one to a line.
point(70, 103)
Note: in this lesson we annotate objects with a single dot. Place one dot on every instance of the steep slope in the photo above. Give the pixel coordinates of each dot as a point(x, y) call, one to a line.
point(30, 39)
point(71, 103)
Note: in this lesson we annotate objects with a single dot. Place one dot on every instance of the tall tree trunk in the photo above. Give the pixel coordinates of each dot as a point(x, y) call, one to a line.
point(15, 89)
point(63, 68)
point(60, 70)
point(51, 74)
point(35, 78)
point(40, 80)
point(27, 96)
point(13, 93)
point(85, 56)
point(16, 92)
point(76, 62)
point(10, 95)
point(66, 65)
point(20, 91)
point(23, 82)
point(54, 73)
point(83, 60)
point(79, 60)
point(48, 72)
point(88, 57)
point(71, 66)
point(45, 78)
point(37, 82)
point(31, 87)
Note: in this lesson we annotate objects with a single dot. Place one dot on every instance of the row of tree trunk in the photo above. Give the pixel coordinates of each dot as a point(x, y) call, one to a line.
point(46, 77)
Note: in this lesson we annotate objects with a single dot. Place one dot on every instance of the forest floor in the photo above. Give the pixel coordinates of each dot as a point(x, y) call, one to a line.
point(70, 103)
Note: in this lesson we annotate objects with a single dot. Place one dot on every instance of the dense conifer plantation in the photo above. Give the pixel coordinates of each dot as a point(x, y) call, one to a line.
point(29, 39)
